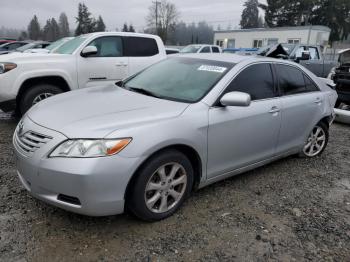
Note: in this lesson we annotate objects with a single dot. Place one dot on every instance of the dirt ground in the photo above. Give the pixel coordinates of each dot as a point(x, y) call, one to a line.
point(291, 210)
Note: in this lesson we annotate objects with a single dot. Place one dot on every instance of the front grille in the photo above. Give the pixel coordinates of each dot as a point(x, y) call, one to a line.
point(30, 141)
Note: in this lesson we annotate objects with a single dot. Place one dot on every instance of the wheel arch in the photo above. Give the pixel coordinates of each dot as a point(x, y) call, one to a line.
point(187, 150)
point(58, 81)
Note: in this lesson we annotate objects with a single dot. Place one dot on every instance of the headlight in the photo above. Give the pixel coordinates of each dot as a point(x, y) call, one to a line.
point(5, 67)
point(88, 148)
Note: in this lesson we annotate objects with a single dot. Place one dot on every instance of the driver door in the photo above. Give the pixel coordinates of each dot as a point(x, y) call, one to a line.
point(241, 136)
point(107, 66)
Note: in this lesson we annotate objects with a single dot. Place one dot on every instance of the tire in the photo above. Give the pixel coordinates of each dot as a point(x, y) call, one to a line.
point(313, 138)
point(32, 93)
point(141, 190)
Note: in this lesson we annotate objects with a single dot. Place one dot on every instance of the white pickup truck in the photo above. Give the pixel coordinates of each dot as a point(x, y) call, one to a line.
point(87, 60)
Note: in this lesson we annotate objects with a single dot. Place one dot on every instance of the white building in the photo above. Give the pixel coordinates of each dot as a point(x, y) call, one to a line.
point(259, 37)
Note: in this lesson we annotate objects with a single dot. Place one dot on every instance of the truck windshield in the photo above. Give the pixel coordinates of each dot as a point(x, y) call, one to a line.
point(191, 49)
point(69, 47)
point(179, 79)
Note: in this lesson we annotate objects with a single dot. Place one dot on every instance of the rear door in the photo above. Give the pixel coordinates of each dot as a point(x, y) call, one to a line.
point(240, 136)
point(141, 52)
point(302, 104)
point(107, 66)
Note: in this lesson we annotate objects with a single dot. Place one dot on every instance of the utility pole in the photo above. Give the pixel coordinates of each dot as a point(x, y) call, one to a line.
point(156, 3)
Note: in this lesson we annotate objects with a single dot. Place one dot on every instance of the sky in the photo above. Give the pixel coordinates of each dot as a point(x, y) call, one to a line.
point(16, 14)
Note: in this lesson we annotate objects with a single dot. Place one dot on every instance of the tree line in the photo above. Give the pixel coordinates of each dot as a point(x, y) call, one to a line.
point(332, 13)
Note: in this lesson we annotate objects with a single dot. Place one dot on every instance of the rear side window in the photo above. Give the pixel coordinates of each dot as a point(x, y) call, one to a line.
point(293, 81)
point(215, 49)
point(140, 46)
point(255, 80)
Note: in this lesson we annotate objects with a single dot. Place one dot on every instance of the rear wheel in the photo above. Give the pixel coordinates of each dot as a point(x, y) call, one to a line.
point(161, 186)
point(317, 141)
point(35, 94)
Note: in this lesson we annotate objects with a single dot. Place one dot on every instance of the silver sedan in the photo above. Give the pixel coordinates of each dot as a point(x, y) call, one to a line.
point(146, 143)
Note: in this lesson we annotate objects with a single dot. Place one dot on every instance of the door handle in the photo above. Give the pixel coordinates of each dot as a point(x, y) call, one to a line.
point(274, 110)
point(308, 63)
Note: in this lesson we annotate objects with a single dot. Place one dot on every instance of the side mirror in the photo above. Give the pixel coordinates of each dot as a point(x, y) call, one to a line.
point(89, 51)
point(236, 99)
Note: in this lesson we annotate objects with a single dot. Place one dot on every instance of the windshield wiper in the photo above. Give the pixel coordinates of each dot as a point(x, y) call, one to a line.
point(143, 91)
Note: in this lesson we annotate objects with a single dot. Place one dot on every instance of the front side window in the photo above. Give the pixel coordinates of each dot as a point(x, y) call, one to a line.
point(108, 46)
point(179, 79)
point(205, 49)
point(140, 47)
point(255, 80)
point(293, 81)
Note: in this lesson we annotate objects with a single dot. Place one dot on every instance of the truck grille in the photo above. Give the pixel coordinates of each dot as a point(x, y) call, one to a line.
point(30, 141)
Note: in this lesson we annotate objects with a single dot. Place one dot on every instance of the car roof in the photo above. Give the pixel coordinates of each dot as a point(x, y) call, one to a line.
point(233, 58)
point(119, 34)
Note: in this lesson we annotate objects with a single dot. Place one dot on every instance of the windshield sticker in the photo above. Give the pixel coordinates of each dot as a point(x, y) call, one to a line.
point(209, 68)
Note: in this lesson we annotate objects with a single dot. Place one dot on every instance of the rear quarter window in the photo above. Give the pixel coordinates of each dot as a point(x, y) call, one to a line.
point(140, 47)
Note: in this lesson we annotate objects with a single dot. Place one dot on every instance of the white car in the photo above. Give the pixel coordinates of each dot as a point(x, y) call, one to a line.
point(87, 60)
point(191, 49)
point(50, 48)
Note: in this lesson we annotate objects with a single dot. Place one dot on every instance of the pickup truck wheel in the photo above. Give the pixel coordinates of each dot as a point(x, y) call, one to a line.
point(35, 94)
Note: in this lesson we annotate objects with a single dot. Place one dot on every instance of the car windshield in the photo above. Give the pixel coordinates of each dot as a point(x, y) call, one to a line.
point(56, 44)
point(25, 47)
point(191, 49)
point(179, 79)
point(69, 47)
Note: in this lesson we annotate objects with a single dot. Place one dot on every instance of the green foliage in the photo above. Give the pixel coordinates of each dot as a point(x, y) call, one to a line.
point(51, 31)
point(100, 25)
point(332, 13)
point(34, 31)
point(250, 15)
point(84, 20)
point(64, 25)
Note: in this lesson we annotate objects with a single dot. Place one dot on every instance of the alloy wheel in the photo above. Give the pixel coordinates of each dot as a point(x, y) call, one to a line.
point(166, 187)
point(41, 97)
point(315, 142)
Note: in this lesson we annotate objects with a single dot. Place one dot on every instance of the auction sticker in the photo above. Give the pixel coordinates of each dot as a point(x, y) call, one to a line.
point(209, 68)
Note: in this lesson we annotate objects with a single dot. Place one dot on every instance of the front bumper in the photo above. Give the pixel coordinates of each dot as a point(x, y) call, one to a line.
point(93, 186)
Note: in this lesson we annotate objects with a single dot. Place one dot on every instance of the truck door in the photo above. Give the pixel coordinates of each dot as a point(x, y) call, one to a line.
point(315, 64)
point(109, 65)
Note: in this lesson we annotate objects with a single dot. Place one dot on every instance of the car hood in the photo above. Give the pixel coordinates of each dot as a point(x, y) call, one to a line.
point(98, 111)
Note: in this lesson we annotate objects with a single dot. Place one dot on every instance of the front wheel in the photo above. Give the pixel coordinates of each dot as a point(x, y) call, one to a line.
point(35, 94)
point(317, 141)
point(161, 186)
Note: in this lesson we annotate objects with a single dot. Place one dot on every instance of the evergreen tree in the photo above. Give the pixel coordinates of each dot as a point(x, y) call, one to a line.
point(23, 36)
point(131, 28)
point(125, 28)
point(250, 15)
point(100, 25)
point(84, 20)
point(34, 30)
point(64, 25)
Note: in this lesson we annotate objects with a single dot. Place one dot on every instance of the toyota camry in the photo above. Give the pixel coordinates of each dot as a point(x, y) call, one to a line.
point(146, 143)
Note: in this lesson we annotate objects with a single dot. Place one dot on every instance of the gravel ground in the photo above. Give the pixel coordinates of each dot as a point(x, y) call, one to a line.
point(291, 210)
